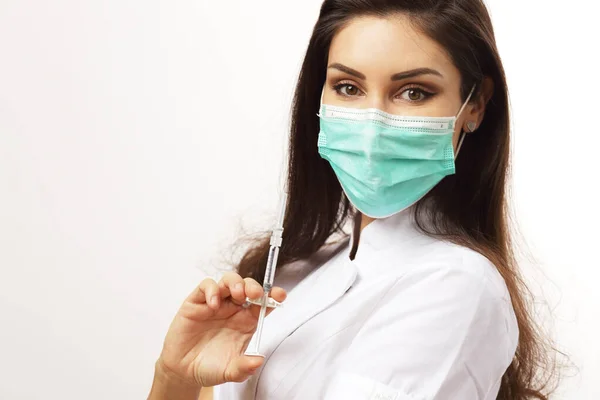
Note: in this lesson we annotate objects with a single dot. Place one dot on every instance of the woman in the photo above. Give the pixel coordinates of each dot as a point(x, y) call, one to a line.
point(424, 300)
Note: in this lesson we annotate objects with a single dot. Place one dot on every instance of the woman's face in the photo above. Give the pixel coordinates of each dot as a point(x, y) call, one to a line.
point(387, 64)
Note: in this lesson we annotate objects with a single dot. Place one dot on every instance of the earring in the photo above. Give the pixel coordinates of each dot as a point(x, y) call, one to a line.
point(471, 126)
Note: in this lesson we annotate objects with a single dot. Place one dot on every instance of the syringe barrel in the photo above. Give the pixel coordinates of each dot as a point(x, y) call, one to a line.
point(271, 264)
point(275, 242)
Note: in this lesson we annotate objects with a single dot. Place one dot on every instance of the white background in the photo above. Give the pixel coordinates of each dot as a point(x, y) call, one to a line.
point(136, 137)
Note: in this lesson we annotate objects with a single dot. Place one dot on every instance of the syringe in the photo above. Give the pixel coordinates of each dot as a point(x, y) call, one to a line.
point(266, 301)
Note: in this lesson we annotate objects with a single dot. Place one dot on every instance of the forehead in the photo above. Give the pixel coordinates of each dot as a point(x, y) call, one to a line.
point(383, 46)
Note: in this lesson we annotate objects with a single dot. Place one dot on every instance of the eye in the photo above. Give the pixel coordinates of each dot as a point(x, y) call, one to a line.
point(415, 94)
point(350, 89)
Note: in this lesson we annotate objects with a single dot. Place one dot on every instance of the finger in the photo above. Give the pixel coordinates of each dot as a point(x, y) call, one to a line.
point(278, 294)
point(206, 292)
point(232, 284)
point(253, 289)
point(242, 367)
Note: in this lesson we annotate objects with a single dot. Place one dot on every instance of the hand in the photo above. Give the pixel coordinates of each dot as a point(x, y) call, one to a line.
point(206, 341)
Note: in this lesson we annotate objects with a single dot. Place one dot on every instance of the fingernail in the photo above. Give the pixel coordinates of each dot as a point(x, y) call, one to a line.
point(214, 301)
point(238, 286)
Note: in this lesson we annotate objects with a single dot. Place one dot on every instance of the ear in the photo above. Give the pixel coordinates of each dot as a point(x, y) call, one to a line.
point(476, 112)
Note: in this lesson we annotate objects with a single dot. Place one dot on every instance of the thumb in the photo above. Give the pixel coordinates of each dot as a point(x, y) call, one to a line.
point(242, 367)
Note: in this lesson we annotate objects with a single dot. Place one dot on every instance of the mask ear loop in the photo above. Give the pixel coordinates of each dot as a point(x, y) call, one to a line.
point(462, 133)
point(460, 141)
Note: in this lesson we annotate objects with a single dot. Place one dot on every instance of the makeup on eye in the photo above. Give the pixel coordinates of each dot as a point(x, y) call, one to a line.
point(410, 92)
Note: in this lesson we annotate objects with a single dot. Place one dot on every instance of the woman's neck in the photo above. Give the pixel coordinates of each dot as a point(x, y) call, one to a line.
point(360, 222)
point(364, 221)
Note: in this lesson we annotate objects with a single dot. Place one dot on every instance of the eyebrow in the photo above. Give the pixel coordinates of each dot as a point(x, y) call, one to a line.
point(396, 77)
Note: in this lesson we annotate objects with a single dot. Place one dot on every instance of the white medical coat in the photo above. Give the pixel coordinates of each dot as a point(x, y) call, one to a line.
point(410, 318)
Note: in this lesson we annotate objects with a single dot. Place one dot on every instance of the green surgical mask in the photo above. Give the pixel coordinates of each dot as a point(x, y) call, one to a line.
point(386, 162)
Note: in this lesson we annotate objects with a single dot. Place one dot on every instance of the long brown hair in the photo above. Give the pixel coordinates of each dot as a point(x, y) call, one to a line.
point(469, 207)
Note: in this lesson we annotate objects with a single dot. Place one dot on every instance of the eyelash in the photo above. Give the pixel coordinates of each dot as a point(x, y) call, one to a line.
point(426, 93)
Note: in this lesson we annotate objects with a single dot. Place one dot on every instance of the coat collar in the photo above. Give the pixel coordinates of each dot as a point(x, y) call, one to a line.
point(333, 274)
